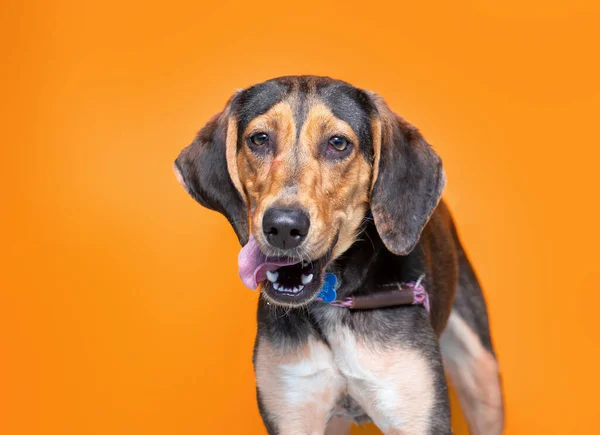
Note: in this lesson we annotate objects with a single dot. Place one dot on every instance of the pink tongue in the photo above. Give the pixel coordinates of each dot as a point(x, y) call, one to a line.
point(253, 264)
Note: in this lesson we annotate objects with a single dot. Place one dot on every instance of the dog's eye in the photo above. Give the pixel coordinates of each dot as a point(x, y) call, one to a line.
point(259, 138)
point(339, 143)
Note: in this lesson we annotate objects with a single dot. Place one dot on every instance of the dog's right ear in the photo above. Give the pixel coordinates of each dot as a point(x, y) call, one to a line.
point(207, 170)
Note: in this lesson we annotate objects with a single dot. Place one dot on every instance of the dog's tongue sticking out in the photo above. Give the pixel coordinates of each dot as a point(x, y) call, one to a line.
point(253, 264)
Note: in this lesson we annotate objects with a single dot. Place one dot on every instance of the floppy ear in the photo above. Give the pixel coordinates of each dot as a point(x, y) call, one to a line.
point(408, 180)
point(207, 169)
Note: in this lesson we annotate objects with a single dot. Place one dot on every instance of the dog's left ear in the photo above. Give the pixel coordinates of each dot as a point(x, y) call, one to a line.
point(207, 170)
point(408, 180)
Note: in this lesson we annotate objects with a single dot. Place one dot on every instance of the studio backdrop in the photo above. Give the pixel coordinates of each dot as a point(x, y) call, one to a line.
point(121, 309)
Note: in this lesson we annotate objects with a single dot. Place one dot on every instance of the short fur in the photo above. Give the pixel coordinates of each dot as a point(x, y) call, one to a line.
point(317, 364)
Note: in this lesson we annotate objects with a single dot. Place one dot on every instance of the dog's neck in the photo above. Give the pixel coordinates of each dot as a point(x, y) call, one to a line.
point(368, 264)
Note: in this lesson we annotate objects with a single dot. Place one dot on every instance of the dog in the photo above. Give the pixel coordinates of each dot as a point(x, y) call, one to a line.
point(319, 180)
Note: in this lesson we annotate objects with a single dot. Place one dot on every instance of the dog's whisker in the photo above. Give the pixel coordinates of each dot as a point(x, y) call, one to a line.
point(370, 239)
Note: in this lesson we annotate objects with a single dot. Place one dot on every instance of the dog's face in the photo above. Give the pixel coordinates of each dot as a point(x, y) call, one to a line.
point(301, 166)
point(296, 163)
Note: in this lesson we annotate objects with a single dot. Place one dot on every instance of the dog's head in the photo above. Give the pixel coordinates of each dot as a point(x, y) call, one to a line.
point(295, 164)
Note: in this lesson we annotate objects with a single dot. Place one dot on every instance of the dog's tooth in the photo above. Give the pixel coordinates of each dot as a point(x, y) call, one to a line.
point(276, 285)
point(295, 290)
point(300, 287)
point(272, 276)
point(306, 278)
point(304, 263)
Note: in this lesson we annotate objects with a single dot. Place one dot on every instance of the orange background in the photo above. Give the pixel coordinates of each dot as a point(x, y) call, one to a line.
point(121, 311)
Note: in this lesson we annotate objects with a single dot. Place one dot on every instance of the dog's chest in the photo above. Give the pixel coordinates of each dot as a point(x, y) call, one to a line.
point(351, 357)
point(338, 372)
point(347, 366)
point(344, 365)
point(331, 374)
point(376, 381)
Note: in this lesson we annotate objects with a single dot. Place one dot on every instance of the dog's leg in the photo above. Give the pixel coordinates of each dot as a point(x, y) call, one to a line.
point(473, 371)
point(468, 353)
point(297, 388)
point(469, 356)
point(401, 387)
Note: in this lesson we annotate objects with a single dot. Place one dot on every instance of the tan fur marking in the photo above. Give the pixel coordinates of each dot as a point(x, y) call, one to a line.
point(376, 131)
point(474, 374)
point(231, 146)
point(321, 124)
point(299, 387)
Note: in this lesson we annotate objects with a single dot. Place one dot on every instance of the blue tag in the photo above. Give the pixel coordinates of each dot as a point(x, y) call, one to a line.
point(328, 293)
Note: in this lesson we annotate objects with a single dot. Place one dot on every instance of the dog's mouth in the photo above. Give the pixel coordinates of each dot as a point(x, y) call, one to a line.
point(285, 280)
point(297, 283)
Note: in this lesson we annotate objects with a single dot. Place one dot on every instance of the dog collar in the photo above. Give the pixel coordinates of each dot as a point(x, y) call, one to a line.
point(394, 294)
point(328, 292)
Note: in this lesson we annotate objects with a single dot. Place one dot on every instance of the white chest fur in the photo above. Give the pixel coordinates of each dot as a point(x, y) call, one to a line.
point(393, 386)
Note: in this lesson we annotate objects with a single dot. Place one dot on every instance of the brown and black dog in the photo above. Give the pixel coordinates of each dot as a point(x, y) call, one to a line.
point(318, 176)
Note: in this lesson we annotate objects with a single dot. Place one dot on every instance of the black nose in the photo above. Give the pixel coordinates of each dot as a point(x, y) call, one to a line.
point(285, 228)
